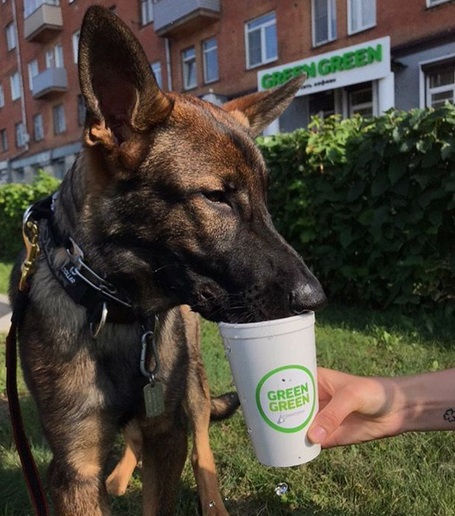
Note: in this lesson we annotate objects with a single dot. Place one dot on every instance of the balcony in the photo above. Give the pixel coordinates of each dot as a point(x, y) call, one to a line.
point(179, 17)
point(42, 24)
point(50, 83)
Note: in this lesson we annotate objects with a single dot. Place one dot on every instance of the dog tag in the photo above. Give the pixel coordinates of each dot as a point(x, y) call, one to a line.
point(154, 399)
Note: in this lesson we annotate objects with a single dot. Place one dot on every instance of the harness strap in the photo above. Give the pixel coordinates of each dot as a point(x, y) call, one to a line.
point(34, 486)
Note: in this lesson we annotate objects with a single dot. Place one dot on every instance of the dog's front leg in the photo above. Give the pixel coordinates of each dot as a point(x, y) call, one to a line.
point(75, 473)
point(202, 460)
point(163, 457)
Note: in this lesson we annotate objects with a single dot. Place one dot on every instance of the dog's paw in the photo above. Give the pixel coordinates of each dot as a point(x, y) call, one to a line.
point(116, 485)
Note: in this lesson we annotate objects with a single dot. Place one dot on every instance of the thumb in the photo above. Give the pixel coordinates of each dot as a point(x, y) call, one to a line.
point(330, 418)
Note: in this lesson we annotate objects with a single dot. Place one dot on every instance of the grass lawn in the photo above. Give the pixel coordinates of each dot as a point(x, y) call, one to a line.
point(5, 269)
point(407, 475)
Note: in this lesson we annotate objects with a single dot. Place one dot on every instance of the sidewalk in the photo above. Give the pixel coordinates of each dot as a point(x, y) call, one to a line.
point(5, 314)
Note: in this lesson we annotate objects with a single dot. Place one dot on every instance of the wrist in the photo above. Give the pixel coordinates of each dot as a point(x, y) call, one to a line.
point(424, 402)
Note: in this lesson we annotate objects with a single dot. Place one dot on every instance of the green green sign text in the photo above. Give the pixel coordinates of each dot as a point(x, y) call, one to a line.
point(325, 66)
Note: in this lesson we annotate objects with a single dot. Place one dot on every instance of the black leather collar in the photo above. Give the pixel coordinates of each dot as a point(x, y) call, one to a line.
point(102, 300)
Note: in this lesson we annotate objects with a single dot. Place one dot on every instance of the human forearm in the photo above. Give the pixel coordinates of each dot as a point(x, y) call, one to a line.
point(425, 401)
point(355, 409)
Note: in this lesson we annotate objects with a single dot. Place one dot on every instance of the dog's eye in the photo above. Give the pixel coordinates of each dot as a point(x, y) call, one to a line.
point(216, 196)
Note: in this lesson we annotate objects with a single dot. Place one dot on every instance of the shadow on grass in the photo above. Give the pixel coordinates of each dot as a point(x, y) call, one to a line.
point(14, 499)
point(437, 327)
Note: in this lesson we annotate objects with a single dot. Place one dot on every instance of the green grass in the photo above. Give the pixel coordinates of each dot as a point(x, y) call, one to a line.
point(409, 475)
point(5, 270)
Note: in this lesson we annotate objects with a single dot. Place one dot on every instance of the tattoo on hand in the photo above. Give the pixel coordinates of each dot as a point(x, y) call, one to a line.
point(449, 415)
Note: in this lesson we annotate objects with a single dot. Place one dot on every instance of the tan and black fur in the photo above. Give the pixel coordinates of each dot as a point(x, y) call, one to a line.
point(167, 200)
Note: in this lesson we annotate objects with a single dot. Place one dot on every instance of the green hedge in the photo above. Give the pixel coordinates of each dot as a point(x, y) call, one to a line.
point(14, 200)
point(370, 204)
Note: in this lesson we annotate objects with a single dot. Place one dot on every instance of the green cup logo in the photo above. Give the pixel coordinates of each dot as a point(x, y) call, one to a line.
point(286, 398)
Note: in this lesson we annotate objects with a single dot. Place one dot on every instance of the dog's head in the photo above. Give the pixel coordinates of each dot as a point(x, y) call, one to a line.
point(176, 189)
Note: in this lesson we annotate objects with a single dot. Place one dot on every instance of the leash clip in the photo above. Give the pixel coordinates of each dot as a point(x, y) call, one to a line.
point(30, 234)
point(147, 337)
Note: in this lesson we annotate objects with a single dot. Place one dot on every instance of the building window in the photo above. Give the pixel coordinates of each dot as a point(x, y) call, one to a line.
point(11, 36)
point(360, 100)
point(210, 54)
point(54, 57)
point(15, 82)
point(431, 3)
point(146, 11)
point(440, 86)
point(156, 69)
point(4, 140)
point(75, 41)
point(324, 21)
point(38, 128)
point(21, 140)
point(30, 6)
point(261, 40)
point(361, 15)
point(189, 68)
point(322, 104)
point(32, 72)
point(81, 110)
point(2, 96)
point(58, 113)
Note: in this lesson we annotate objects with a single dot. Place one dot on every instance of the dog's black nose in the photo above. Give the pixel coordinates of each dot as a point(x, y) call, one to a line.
point(307, 296)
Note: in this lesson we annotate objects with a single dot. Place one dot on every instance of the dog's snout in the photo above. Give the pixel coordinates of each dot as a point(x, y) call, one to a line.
point(307, 296)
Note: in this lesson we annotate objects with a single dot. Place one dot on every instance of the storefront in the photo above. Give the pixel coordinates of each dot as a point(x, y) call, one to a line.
point(355, 79)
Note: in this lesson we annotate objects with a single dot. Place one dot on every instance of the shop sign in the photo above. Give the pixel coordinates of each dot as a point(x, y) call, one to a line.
point(367, 61)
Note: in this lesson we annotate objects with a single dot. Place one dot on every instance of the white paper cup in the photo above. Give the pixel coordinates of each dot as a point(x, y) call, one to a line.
point(273, 364)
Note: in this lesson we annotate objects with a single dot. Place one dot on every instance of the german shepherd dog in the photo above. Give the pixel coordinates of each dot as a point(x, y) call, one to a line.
point(165, 206)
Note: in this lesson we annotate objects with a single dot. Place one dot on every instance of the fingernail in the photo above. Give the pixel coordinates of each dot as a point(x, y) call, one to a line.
point(317, 435)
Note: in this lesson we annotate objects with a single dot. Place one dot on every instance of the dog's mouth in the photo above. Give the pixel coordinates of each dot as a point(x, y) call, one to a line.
point(252, 305)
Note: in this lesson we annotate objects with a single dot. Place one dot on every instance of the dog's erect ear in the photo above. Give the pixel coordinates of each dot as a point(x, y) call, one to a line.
point(120, 91)
point(258, 110)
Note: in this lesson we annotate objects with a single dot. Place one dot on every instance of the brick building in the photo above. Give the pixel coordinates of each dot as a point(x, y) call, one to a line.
point(361, 56)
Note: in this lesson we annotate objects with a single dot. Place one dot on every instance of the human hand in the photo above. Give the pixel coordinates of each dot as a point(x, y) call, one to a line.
point(354, 409)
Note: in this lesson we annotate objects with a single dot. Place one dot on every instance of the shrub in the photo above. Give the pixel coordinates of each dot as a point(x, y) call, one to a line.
point(14, 200)
point(370, 204)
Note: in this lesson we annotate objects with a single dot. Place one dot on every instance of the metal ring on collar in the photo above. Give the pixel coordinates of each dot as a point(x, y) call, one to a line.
point(95, 330)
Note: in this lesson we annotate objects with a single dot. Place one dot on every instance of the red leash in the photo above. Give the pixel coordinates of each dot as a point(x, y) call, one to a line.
point(34, 487)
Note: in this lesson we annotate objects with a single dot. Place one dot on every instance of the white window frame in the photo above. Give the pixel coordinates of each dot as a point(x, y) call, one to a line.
point(189, 60)
point(331, 22)
point(210, 47)
point(54, 57)
point(358, 7)
point(33, 71)
point(433, 3)
point(425, 69)
point(10, 30)
point(146, 12)
point(30, 6)
point(15, 83)
point(445, 88)
point(356, 108)
point(81, 110)
point(75, 43)
point(21, 140)
point(2, 96)
point(261, 24)
point(157, 72)
point(4, 140)
point(38, 127)
point(58, 117)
